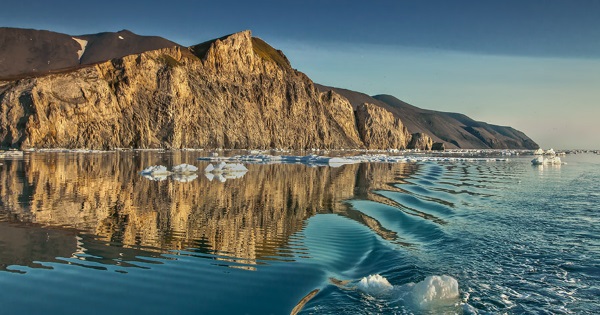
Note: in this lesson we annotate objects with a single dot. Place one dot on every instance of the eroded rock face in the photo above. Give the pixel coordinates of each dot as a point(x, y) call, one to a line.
point(379, 129)
point(234, 96)
point(421, 141)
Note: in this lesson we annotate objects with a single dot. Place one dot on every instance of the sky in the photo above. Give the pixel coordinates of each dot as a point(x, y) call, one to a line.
point(530, 64)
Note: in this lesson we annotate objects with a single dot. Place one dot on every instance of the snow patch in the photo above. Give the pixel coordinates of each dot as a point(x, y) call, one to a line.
point(83, 43)
point(121, 37)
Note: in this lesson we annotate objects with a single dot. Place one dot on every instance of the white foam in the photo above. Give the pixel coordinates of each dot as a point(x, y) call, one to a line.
point(82, 43)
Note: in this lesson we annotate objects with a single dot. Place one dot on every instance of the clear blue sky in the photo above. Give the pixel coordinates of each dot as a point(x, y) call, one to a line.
point(533, 65)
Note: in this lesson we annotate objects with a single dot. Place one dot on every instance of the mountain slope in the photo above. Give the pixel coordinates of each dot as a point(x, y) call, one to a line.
point(457, 129)
point(453, 129)
point(28, 53)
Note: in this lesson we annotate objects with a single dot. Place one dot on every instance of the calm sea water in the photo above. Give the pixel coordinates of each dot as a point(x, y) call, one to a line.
point(86, 234)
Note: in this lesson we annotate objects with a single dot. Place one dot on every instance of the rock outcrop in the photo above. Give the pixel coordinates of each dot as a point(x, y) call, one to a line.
point(420, 140)
point(378, 128)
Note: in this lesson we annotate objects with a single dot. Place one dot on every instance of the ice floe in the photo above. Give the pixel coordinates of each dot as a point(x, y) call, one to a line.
point(374, 285)
point(182, 173)
point(184, 169)
point(553, 160)
point(429, 294)
point(318, 160)
point(155, 170)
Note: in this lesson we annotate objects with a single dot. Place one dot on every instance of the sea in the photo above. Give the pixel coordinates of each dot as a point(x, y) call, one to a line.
point(86, 233)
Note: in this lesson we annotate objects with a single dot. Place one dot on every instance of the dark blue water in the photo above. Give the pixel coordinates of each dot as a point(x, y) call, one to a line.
point(85, 233)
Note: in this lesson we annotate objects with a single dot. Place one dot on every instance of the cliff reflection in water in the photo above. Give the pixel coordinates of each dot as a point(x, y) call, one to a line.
point(120, 216)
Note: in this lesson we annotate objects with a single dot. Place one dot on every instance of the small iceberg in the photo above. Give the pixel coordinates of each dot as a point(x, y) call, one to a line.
point(553, 160)
point(155, 170)
point(431, 294)
point(538, 152)
point(184, 169)
point(374, 285)
point(435, 290)
point(550, 152)
point(225, 168)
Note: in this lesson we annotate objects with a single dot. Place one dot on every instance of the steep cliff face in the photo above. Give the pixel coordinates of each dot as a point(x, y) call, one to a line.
point(420, 140)
point(378, 128)
point(233, 92)
point(239, 93)
point(451, 130)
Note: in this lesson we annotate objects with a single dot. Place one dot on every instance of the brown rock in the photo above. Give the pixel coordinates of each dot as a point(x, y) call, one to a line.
point(379, 129)
point(235, 96)
point(420, 141)
point(438, 146)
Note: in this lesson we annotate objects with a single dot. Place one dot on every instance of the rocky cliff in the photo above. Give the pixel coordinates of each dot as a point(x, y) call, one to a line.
point(121, 90)
point(449, 130)
point(237, 93)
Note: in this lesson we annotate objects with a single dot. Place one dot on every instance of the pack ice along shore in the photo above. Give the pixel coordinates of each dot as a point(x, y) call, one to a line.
point(122, 90)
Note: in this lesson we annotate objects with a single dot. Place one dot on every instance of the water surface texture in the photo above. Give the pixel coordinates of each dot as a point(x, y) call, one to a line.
point(86, 233)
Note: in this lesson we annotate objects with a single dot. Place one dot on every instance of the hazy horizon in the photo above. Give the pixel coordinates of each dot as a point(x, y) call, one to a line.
point(534, 66)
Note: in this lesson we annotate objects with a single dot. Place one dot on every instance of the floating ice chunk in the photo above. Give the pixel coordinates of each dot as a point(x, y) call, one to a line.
point(231, 168)
point(374, 285)
point(538, 152)
point(431, 293)
point(550, 152)
point(436, 290)
point(155, 170)
point(336, 161)
point(538, 160)
point(184, 168)
point(156, 177)
point(553, 160)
